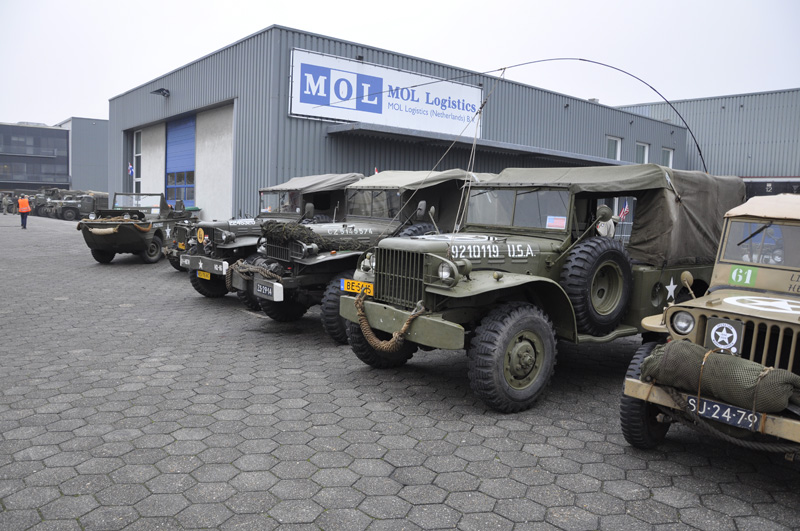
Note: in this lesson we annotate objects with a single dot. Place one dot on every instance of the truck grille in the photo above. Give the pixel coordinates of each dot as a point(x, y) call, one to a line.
point(770, 344)
point(398, 277)
point(276, 251)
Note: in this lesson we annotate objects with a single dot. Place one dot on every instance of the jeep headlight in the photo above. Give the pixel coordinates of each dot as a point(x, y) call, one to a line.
point(683, 322)
point(92, 216)
point(445, 272)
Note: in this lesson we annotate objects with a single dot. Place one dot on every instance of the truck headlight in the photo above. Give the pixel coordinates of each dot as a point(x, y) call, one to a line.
point(445, 271)
point(683, 322)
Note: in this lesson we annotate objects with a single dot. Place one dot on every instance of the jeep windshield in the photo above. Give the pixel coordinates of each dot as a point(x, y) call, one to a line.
point(137, 201)
point(285, 202)
point(373, 203)
point(533, 208)
point(764, 242)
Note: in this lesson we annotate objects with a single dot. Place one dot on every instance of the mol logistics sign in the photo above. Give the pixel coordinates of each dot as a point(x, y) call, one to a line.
point(335, 88)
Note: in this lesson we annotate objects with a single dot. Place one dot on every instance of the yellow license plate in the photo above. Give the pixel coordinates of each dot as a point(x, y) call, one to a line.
point(182, 246)
point(355, 286)
point(204, 275)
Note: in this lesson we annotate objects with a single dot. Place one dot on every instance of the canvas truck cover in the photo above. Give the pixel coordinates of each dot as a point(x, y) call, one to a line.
point(309, 184)
point(781, 206)
point(416, 180)
point(679, 214)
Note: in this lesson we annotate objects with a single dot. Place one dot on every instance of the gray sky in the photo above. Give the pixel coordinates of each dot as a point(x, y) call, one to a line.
point(63, 58)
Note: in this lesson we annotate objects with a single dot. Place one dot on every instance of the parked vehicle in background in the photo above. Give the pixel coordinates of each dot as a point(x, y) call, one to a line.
point(80, 205)
point(207, 248)
point(299, 266)
point(138, 224)
point(538, 260)
point(732, 367)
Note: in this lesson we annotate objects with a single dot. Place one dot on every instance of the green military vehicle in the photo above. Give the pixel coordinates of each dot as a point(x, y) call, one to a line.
point(539, 259)
point(80, 205)
point(39, 200)
point(207, 248)
point(138, 224)
point(732, 366)
point(302, 266)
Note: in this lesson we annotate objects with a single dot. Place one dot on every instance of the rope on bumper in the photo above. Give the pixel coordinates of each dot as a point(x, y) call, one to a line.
point(390, 345)
point(246, 271)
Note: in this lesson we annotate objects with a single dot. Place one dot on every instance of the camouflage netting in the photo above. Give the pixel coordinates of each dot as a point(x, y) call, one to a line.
point(734, 380)
point(283, 233)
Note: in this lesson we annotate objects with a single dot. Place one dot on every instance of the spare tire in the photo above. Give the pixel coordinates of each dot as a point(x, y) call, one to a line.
point(417, 229)
point(598, 280)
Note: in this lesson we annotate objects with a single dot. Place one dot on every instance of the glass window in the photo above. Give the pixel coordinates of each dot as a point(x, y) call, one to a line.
point(137, 143)
point(490, 207)
point(359, 203)
point(541, 209)
point(642, 153)
point(763, 242)
point(666, 157)
point(613, 147)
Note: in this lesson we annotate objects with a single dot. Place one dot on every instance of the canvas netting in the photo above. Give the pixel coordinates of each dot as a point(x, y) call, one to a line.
point(283, 233)
point(734, 380)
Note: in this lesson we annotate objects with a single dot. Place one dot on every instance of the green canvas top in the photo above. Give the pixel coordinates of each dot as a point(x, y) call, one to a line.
point(415, 180)
point(308, 184)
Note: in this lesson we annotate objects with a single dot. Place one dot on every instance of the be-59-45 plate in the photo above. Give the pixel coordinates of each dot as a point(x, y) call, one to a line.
point(355, 286)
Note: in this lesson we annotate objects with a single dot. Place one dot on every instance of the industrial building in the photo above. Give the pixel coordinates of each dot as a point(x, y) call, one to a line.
point(283, 103)
point(71, 154)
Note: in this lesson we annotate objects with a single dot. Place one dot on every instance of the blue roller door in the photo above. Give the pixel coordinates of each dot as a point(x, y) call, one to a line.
point(180, 179)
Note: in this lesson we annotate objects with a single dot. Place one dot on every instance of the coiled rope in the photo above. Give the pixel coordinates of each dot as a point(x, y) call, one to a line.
point(246, 271)
point(390, 345)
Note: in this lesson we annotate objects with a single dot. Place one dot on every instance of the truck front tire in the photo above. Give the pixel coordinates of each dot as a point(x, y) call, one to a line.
point(640, 426)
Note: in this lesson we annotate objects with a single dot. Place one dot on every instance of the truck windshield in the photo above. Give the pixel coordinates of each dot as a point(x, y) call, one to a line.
point(284, 202)
point(373, 203)
point(772, 243)
point(537, 208)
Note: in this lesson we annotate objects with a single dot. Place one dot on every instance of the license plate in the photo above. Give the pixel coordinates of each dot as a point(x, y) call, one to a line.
point(732, 415)
point(264, 289)
point(182, 246)
point(204, 275)
point(355, 286)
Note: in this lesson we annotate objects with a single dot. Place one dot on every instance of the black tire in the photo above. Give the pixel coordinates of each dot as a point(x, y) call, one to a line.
point(175, 262)
point(319, 218)
point(512, 357)
point(637, 417)
point(379, 360)
point(598, 279)
point(153, 252)
point(103, 257)
point(38, 211)
point(284, 311)
point(417, 229)
point(69, 214)
point(213, 289)
point(333, 323)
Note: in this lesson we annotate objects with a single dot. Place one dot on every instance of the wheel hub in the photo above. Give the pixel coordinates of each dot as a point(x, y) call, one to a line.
point(522, 363)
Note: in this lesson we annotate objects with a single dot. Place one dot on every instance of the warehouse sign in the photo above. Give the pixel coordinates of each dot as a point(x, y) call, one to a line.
point(335, 88)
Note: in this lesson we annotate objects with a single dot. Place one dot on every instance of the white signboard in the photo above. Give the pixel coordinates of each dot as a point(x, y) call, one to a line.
point(335, 88)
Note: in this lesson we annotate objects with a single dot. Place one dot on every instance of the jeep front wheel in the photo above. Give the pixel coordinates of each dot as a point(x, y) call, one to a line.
point(333, 323)
point(638, 418)
point(512, 357)
point(213, 288)
point(598, 280)
point(152, 252)
point(103, 257)
point(373, 357)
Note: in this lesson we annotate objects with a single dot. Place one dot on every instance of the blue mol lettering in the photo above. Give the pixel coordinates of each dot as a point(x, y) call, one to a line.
point(330, 87)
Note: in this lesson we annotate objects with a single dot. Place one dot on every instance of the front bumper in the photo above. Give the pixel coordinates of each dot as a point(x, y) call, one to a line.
point(204, 263)
point(430, 330)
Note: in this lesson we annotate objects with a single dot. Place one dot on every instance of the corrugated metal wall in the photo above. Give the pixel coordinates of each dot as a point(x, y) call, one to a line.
point(88, 157)
point(750, 135)
point(270, 146)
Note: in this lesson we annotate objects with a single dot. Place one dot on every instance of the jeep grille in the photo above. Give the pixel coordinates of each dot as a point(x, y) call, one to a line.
point(767, 343)
point(283, 252)
point(398, 277)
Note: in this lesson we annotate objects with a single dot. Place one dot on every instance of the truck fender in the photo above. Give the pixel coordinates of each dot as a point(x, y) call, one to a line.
point(546, 293)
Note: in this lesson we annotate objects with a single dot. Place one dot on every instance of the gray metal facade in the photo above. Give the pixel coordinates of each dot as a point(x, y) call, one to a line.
point(522, 126)
point(88, 153)
point(749, 135)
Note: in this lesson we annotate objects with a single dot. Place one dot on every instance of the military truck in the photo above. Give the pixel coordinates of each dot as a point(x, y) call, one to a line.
point(208, 248)
point(538, 260)
point(39, 200)
point(138, 224)
point(732, 366)
point(302, 266)
point(80, 205)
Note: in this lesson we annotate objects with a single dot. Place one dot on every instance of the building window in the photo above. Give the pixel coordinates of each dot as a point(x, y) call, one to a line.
point(137, 162)
point(642, 153)
point(180, 185)
point(613, 148)
point(666, 157)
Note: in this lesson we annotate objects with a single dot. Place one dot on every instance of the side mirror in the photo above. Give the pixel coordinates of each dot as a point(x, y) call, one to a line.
point(432, 212)
point(604, 213)
point(309, 211)
point(687, 280)
point(421, 208)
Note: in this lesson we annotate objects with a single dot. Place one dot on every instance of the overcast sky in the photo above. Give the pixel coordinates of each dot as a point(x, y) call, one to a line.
point(64, 58)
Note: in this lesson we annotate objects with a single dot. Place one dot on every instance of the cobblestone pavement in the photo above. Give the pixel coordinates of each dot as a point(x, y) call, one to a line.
point(129, 401)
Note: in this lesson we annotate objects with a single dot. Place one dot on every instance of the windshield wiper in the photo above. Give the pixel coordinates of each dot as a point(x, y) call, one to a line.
point(756, 232)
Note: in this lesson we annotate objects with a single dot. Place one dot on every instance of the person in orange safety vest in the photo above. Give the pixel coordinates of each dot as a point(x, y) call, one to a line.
point(24, 209)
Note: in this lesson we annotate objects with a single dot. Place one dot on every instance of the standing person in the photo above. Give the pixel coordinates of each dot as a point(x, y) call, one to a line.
point(24, 208)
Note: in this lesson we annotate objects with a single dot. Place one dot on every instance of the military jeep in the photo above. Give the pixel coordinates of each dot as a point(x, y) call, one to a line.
point(540, 258)
point(207, 248)
point(733, 367)
point(137, 224)
point(80, 205)
point(302, 266)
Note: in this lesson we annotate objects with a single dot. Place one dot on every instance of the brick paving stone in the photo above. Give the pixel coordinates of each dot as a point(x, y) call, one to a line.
point(173, 411)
